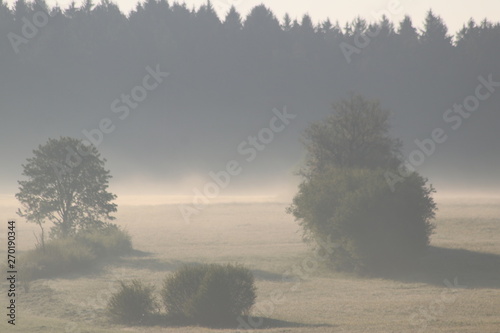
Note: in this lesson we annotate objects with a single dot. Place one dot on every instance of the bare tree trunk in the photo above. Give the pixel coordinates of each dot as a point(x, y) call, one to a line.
point(42, 236)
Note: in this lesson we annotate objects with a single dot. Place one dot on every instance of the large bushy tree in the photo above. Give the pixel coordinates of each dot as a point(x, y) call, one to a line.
point(345, 196)
point(67, 185)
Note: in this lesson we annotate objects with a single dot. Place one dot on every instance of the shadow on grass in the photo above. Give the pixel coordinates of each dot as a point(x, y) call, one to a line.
point(152, 264)
point(157, 265)
point(256, 323)
point(266, 275)
point(471, 269)
point(135, 259)
point(243, 323)
point(139, 253)
point(142, 260)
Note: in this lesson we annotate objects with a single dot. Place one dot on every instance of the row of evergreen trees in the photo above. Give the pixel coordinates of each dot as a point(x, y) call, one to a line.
point(229, 72)
point(158, 27)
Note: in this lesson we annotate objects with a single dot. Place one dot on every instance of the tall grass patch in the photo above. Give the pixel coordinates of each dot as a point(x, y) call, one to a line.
point(74, 254)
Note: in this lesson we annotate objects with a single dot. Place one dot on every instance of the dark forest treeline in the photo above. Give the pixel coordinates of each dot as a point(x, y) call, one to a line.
point(62, 68)
point(157, 31)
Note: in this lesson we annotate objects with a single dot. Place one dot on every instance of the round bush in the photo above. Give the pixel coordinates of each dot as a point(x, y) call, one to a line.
point(213, 295)
point(132, 304)
point(374, 228)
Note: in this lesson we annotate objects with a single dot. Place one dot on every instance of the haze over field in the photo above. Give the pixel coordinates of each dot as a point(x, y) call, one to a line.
point(223, 84)
point(223, 165)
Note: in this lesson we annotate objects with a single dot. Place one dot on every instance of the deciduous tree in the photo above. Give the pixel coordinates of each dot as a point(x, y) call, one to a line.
point(67, 185)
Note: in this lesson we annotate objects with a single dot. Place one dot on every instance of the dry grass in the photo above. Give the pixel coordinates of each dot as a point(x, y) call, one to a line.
point(466, 247)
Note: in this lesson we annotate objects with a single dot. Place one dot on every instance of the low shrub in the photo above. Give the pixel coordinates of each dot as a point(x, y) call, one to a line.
point(133, 303)
point(110, 241)
point(375, 229)
point(57, 257)
point(210, 294)
point(180, 288)
point(76, 253)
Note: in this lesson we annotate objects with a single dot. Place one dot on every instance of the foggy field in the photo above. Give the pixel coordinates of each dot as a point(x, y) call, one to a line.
point(465, 252)
point(241, 166)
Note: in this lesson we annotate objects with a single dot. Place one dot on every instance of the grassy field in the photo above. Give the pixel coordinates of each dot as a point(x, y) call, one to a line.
point(456, 288)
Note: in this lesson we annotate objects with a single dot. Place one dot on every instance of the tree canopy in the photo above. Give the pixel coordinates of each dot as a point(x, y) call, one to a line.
point(67, 185)
point(345, 197)
point(355, 135)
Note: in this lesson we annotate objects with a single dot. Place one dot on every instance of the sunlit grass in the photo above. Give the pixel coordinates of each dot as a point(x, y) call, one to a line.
point(265, 239)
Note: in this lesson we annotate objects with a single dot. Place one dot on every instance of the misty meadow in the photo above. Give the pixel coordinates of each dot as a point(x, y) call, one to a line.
point(175, 169)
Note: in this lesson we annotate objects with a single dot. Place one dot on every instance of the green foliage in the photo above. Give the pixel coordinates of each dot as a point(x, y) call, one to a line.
point(356, 135)
point(345, 194)
point(74, 254)
point(132, 304)
point(180, 289)
point(374, 228)
point(110, 241)
point(213, 295)
point(58, 257)
point(66, 185)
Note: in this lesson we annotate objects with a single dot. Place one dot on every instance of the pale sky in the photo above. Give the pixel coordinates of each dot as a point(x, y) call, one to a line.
point(455, 13)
